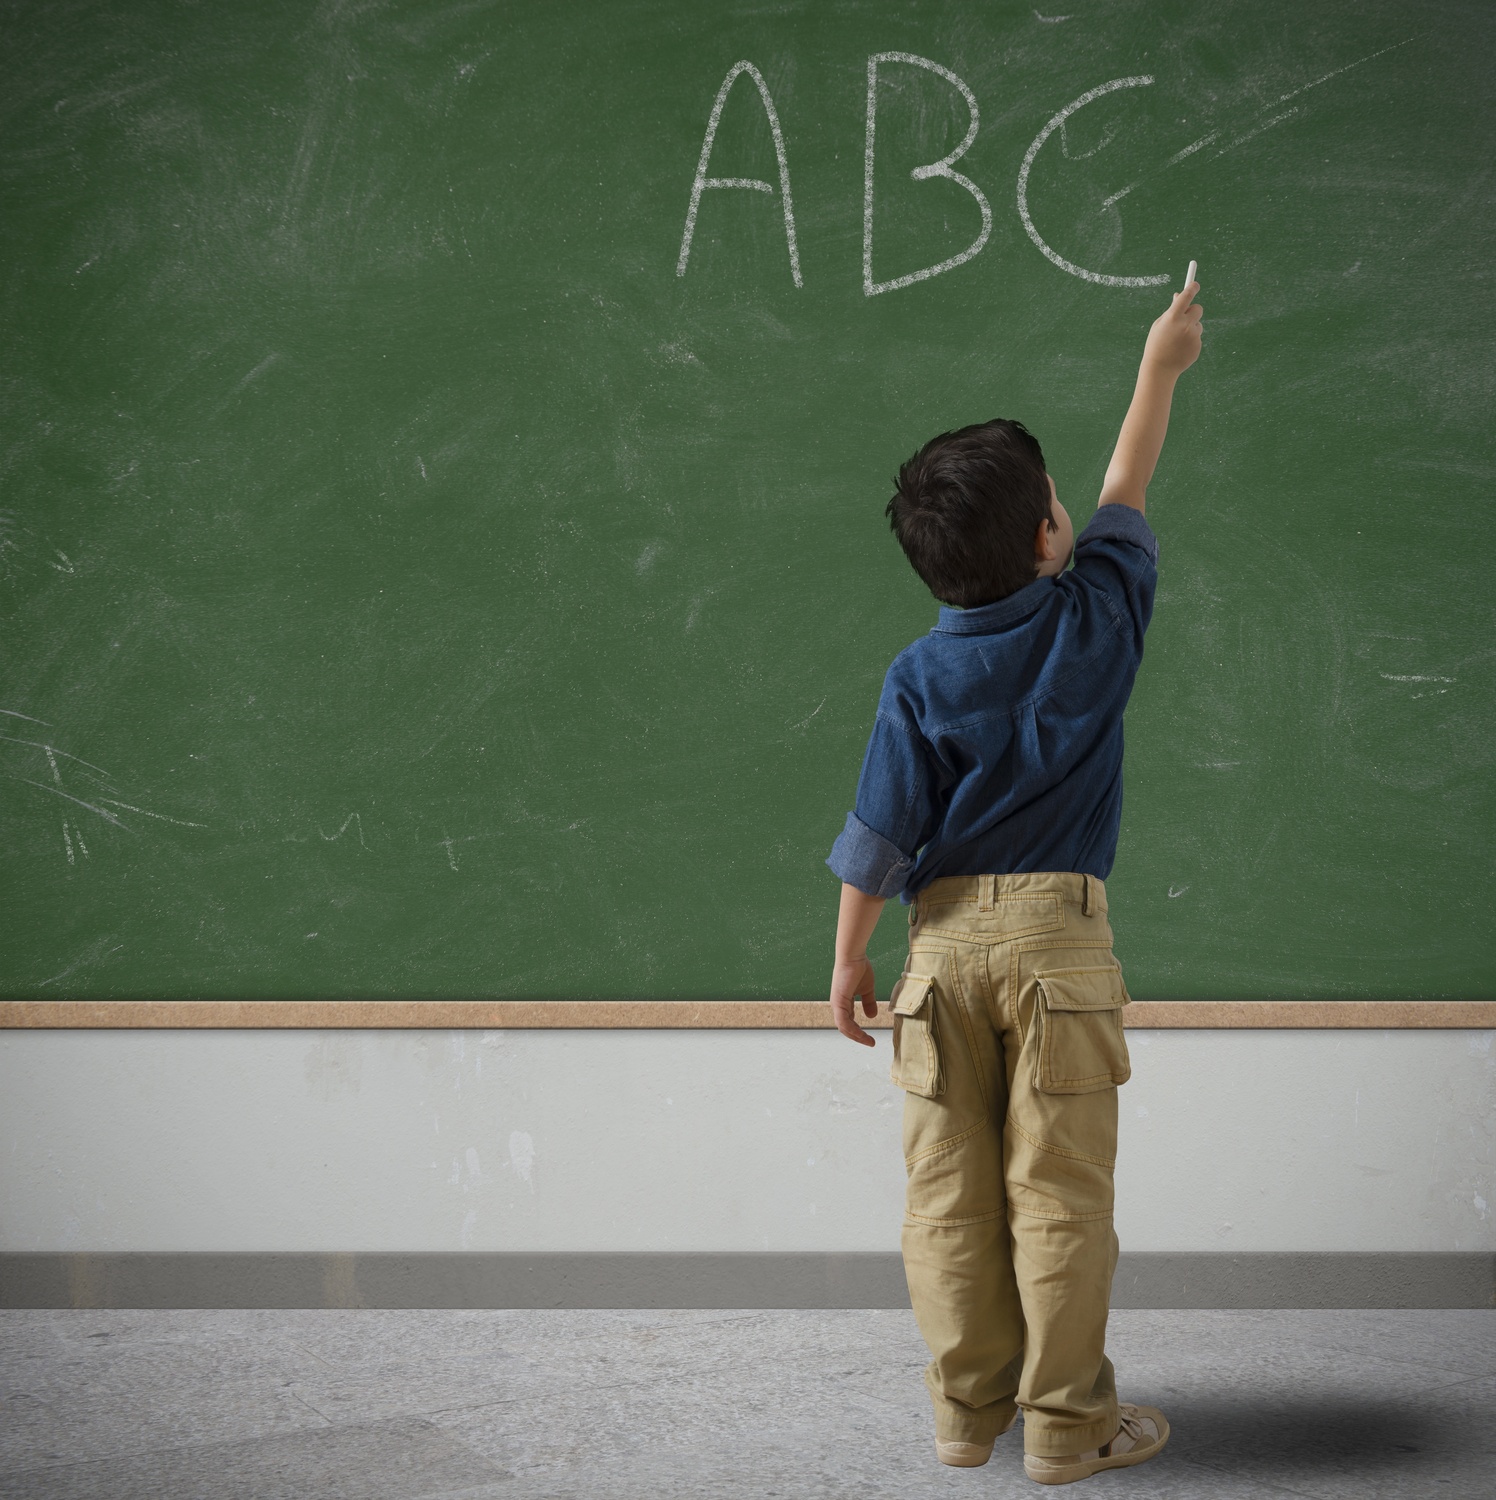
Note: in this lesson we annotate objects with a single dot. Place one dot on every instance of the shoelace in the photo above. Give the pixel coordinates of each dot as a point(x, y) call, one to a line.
point(1132, 1425)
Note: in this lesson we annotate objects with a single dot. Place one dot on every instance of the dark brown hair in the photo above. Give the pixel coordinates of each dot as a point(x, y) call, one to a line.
point(966, 509)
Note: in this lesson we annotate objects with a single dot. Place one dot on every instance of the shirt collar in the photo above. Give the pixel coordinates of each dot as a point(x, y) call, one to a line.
point(989, 617)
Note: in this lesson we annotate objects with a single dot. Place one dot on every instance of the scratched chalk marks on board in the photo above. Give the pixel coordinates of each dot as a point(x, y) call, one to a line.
point(95, 953)
point(352, 818)
point(74, 846)
point(1250, 132)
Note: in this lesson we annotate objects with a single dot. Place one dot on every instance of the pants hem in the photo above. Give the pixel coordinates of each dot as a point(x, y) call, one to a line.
point(947, 1431)
point(1061, 1442)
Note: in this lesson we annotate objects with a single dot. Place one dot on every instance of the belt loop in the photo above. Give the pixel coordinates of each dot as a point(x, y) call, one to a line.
point(1085, 895)
point(986, 892)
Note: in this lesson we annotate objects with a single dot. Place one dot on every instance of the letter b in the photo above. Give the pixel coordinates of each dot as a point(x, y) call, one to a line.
point(942, 168)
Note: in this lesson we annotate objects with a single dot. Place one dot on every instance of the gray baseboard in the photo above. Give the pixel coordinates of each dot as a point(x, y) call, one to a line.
point(1306, 1278)
point(162, 1279)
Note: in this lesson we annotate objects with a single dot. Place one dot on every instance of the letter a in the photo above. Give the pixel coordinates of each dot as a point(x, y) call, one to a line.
point(942, 168)
point(756, 184)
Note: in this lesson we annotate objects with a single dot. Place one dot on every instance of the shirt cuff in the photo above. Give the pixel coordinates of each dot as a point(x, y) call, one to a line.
point(1125, 524)
point(866, 859)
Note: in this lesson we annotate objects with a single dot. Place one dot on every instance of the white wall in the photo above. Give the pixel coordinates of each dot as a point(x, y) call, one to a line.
point(700, 1141)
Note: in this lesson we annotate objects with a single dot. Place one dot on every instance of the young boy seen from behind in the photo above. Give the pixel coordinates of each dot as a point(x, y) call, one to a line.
point(989, 800)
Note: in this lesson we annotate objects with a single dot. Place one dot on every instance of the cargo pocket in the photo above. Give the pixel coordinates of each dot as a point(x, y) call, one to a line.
point(916, 1046)
point(1079, 1015)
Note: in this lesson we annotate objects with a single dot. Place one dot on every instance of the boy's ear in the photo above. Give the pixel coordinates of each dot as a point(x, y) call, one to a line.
point(1044, 544)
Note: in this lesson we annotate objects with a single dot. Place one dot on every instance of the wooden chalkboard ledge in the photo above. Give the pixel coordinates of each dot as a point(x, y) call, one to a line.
point(690, 1015)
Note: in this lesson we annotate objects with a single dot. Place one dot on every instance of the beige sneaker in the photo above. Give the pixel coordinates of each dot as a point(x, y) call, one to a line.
point(968, 1455)
point(1142, 1433)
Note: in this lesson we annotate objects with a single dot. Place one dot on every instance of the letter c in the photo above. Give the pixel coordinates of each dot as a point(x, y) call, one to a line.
point(1023, 175)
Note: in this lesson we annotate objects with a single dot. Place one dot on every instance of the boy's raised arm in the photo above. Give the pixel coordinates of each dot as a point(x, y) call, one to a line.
point(1173, 346)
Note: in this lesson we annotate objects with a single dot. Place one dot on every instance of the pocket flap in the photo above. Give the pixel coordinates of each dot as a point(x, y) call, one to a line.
point(911, 994)
point(1083, 989)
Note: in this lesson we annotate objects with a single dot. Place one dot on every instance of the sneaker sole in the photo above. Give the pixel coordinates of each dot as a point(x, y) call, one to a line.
point(963, 1455)
point(968, 1455)
point(1096, 1465)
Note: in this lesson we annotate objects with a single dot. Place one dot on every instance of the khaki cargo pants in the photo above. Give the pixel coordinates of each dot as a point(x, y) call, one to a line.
point(1008, 1042)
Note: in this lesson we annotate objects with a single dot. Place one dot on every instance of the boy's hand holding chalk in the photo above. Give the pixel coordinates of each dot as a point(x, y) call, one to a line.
point(1174, 340)
point(1173, 346)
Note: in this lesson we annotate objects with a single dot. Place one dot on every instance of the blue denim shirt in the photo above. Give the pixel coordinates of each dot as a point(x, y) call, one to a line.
point(997, 747)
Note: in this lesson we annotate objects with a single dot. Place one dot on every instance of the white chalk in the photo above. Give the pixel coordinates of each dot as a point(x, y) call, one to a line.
point(1189, 275)
point(702, 181)
point(945, 167)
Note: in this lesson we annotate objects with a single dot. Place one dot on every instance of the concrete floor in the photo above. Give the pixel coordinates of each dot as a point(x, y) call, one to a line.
point(554, 1405)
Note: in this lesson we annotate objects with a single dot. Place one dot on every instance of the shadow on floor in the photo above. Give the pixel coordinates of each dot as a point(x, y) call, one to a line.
point(1281, 1438)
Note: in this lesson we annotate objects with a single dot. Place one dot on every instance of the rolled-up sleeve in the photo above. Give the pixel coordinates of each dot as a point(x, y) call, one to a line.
point(864, 858)
point(895, 813)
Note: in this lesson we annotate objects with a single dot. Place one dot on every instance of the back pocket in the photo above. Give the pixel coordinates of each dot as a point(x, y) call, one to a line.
point(1079, 1015)
point(916, 1045)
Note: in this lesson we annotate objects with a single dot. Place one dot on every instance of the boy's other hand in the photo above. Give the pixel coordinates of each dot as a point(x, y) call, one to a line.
point(850, 979)
point(1174, 340)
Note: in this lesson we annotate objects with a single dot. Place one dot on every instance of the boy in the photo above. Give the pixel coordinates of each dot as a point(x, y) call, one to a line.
point(989, 800)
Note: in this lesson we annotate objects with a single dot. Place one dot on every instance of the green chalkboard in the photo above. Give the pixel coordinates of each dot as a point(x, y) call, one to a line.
point(421, 579)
